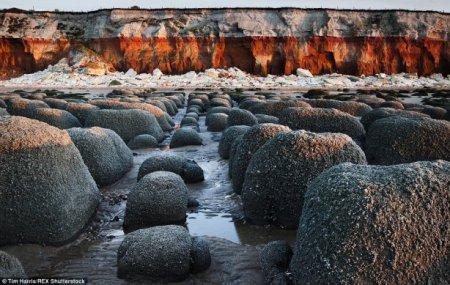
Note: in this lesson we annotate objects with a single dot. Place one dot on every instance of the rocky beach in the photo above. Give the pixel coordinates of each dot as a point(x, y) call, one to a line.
point(225, 146)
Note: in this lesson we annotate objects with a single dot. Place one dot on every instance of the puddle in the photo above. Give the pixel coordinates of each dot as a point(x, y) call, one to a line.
point(223, 225)
point(219, 225)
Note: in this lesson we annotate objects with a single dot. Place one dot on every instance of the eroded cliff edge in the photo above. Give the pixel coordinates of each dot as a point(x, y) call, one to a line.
point(259, 41)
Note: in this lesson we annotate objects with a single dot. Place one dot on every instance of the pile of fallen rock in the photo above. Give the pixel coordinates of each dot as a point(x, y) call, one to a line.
point(85, 70)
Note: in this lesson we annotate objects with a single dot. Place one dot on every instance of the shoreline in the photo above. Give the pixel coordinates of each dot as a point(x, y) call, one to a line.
point(64, 77)
point(200, 89)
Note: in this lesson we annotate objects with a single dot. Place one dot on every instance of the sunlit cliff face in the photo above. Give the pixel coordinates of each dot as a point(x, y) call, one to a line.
point(259, 41)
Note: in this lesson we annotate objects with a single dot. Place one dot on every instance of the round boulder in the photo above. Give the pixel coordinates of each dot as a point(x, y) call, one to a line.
point(192, 115)
point(438, 113)
point(143, 141)
point(55, 117)
point(187, 169)
point(262, 119)
point(278, 173)
point(241, 117)
point(24, 107)
point(353, 108)
point(56, 103)
point(159, 198)
point(10, 267)
point(224, 110)
point(382, 113)
point(189, 121)
point(375, 225)
point(48, 194)
point(274, 108)
point(216, 122)
point(397, 139)
point(392, 104)
point(321, 120)
point(104, 152)
point(220, 102)
point(3, 112)
point(183, 137)
point(161, 253)
point(252, 140)
point(81, 110)
point(126, 123)
point(200, 255)
point(274, 258)
point(228, 137)
point(233, 149)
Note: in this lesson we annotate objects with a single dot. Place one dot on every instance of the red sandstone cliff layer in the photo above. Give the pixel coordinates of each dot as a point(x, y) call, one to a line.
point(327, 48)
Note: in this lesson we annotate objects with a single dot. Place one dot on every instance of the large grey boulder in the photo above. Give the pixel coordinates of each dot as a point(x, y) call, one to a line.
point(220, 102)
point(278, 173)
point(435, 112)
point(353, 108)
point(192, 115)
point(187, 169)
point(184, 137)
point(24, 107)
point(3, 112)
point(228, 137)
point(197, 102)
point(55, 117)
point(321, 120)
point(81, 110)
point(224, 110)
point(47, 193)
point(249, 102)
point(10, 267)
point(159, 198)
point(375, 225)
point(216, 122)
point(106, 155)
point(397, 139)
point(159, 114)
point(381, 113)
point(262, 119)
point(392, 104)
point(275, 258)
point(161, 254)
point(252, 140)
point(274, 108)
point(143, 141)
point(233, 150)
point(189, 121)
point(126, 123)
point(241, 117)
point(56, 103)
point(200, 255)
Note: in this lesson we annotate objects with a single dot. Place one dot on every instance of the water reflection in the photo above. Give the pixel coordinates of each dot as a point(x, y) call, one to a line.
point(224, 226)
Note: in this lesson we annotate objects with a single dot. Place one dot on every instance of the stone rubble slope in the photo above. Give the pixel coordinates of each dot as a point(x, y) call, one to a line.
point(98, 75)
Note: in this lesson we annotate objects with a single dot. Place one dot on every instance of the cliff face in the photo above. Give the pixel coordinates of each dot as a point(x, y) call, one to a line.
point(260, 41)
